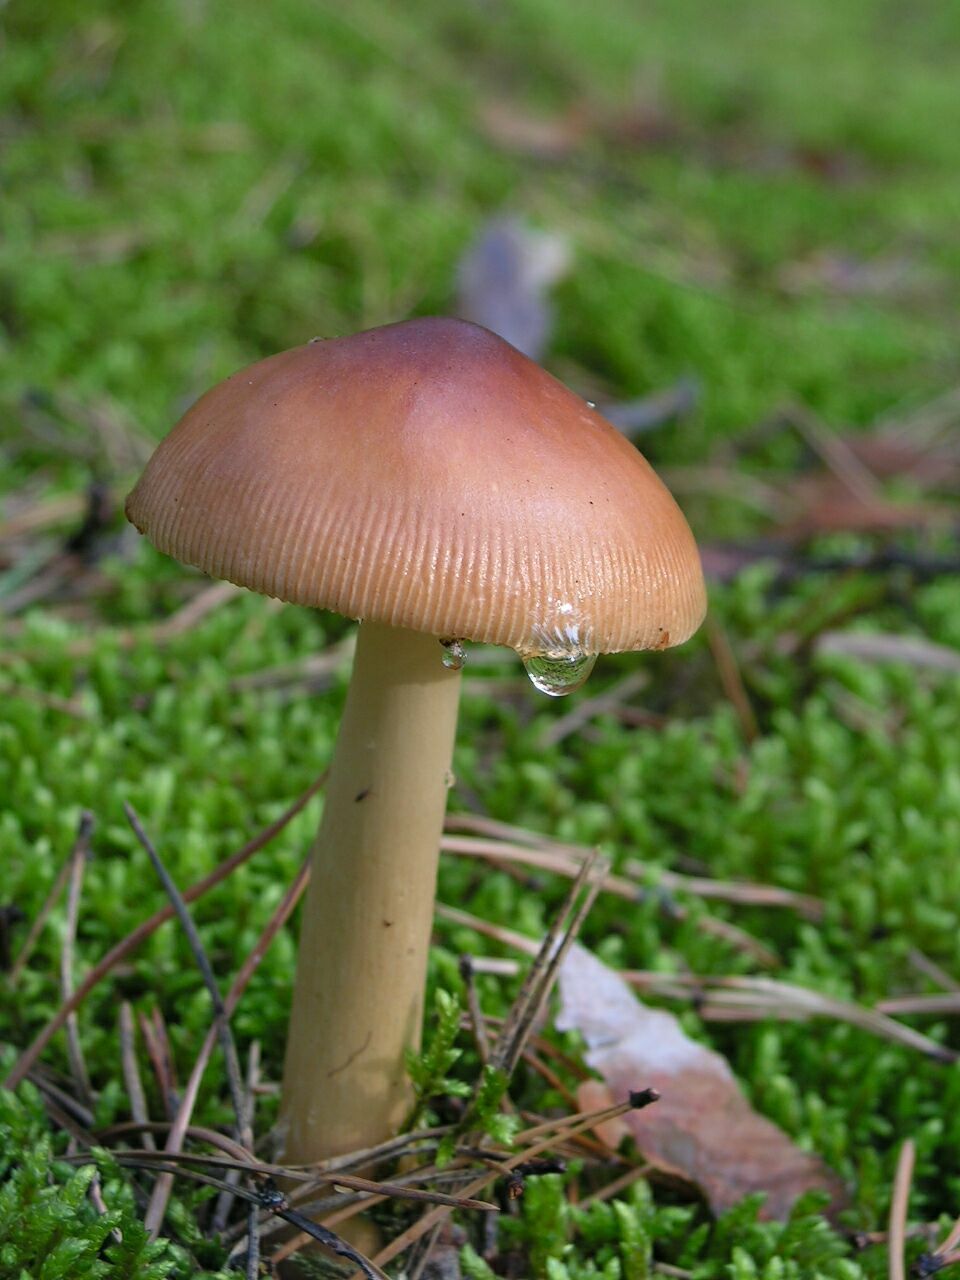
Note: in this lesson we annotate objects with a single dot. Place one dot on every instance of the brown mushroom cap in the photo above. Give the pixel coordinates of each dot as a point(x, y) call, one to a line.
point(427, 475)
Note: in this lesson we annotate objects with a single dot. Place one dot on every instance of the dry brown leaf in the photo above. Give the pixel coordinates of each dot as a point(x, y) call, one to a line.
point(825, 503)
point(703, 1128)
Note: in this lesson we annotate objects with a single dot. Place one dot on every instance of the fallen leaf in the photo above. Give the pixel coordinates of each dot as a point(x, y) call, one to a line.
point(824, 503)
point(702, 1129)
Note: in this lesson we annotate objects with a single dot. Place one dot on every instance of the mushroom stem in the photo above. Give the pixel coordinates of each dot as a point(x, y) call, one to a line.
point(358, 997)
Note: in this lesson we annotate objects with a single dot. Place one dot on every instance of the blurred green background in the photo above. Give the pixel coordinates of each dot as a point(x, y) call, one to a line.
point(189, 186)
point(761, 199)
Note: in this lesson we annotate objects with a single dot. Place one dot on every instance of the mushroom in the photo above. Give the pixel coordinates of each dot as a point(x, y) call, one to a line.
point(431, 481)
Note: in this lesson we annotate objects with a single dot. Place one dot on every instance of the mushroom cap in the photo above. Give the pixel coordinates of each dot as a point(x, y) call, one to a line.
point(427, 475)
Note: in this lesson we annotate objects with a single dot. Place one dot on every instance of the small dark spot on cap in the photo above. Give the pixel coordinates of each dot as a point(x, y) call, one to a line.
point(361, 795)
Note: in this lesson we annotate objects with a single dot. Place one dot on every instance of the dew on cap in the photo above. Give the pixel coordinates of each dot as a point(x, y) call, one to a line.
point(559, 675)
point(454, 655)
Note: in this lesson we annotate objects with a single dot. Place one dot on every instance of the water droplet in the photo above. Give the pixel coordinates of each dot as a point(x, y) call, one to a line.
point(313, 340)
point(559, 675)
point(454, 654)
point(591, 404)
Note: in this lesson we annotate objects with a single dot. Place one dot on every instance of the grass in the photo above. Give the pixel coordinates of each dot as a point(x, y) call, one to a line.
point(764, 196)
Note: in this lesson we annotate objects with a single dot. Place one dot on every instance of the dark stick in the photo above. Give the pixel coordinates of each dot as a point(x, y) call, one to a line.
point(403, 1189)
point(195, 942)
point(58, 1097)
point(425, 1245)
point(225, 1199)
point(161, 1191)
point(143, 931)
point(221, 1017)
point(268, 1198)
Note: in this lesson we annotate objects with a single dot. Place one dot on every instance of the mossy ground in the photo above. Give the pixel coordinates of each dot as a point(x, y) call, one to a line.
point(190, 186)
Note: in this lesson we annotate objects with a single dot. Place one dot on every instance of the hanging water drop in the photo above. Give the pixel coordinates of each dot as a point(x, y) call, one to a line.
point(454, 655)
point(558, 676)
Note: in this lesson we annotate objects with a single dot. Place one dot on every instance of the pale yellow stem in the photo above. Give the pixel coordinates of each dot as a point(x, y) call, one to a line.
point(358, 997)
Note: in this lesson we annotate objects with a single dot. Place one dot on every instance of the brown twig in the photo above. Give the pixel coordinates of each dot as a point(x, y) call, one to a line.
point(897, 1230)
point(195, 1132)
point(549, 1075)
point(419, 1264)
point(499, 933)
point(148, 927)
point(728, 669)
point(566, 860)
point(195, 942)
point(154, 1031)
point(313, 671)
point(156, 1210)
point(575, 1125)
point(588, 709)
point(543, 972)
point(834, 453)
point(268, 1198)
point(397, 1189)
point(509, 837)
point(189, 615)
point(131, 1073)
point(945, 1254)
point(733, 998)
point(930, 969)
point(100, 1205)
point(784, 1000)
point(64, 1101)
point(221, 1022)
point(940, 1002)
point(77, 865)
point(565, 1129)
point(43, 514)
point(617, 1185)
point(477, 1022)
point(226, 1198)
